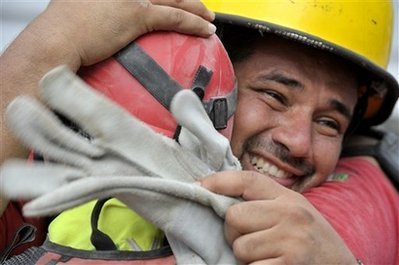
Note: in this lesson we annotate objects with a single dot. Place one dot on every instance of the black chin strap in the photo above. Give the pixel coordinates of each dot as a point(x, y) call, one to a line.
point(100, 240)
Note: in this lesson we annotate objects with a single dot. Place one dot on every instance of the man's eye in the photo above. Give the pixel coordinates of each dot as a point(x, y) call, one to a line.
point(330, 126)
point(276, 96)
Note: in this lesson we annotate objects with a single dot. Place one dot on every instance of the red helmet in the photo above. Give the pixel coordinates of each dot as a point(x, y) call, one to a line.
point(145, 75)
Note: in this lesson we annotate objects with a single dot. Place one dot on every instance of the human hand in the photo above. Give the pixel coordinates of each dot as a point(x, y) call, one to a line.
point(275, 225)
point(98, 29)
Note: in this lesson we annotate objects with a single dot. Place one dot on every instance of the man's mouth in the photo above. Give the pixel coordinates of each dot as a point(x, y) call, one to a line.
point(274, 161)
point(271, 170)
point(265, 167)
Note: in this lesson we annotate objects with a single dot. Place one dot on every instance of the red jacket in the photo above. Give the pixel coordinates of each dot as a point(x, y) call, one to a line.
point(364, 210)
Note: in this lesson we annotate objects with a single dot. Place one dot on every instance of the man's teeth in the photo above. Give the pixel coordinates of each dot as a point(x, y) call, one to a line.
point(265, 167)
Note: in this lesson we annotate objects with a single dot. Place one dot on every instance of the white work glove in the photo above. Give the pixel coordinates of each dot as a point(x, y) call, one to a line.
point(160, 173)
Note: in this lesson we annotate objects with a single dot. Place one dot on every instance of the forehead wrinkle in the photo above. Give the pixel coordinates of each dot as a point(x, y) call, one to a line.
point(286, 80)
point(283, 79)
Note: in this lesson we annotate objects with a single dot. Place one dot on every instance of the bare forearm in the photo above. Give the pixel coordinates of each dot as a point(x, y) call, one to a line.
point(36, 50)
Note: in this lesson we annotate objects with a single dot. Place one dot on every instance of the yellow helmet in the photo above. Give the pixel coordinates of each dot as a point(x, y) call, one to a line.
point(358, 31)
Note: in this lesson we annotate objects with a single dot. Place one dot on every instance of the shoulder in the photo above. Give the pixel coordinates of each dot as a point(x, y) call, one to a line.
point(362, 205)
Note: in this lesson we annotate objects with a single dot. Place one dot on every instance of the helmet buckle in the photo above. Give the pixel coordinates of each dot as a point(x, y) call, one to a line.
point(219, 113)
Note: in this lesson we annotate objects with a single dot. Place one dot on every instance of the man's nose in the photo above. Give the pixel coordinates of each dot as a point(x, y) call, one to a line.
point(295, 134)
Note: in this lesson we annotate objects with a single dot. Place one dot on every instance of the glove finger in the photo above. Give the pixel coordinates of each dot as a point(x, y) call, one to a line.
point(129, 189)
point(69, 95)
point(39, 129)
point(23, 180)
point(68, 196)
point(132, 190)
point(190, 114)
point(115, 129)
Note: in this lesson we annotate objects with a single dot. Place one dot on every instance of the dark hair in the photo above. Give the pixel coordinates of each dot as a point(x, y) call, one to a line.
point(238, 41)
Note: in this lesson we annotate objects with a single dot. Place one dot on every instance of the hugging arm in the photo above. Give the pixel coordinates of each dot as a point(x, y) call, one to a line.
point(76, 33)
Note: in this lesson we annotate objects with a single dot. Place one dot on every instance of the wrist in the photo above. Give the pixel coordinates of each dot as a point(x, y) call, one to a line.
point(53, 46)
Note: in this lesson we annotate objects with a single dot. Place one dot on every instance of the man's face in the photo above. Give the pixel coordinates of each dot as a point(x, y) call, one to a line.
point(294, 106)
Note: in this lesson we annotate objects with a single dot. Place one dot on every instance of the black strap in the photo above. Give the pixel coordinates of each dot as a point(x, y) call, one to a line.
point(220, 109)
point(148, 72)
point(201, 81)
point(100, 240)
point(163, 87)
point(26, 233)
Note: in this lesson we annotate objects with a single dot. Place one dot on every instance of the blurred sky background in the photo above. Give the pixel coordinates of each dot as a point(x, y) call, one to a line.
point(16, 14)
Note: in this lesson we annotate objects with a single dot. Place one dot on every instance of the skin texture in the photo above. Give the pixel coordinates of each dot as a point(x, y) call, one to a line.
point(294, 107)
point(74, 33)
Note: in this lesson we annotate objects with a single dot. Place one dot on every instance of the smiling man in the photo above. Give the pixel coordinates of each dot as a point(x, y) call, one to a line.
point(295, 105)
point(298, 97)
